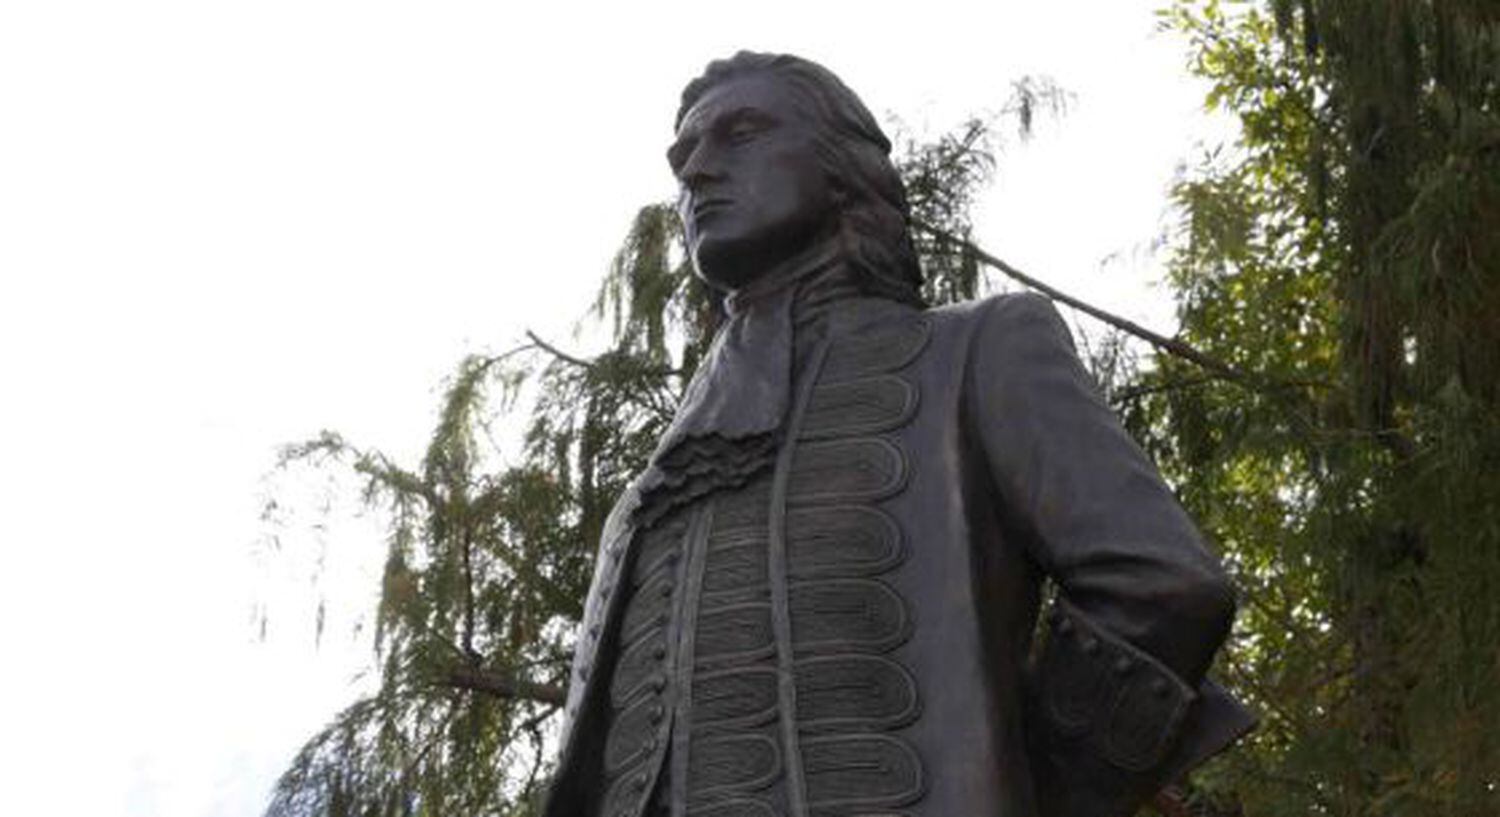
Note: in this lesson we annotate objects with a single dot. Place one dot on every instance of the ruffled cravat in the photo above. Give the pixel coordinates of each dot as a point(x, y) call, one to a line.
point(729, 424)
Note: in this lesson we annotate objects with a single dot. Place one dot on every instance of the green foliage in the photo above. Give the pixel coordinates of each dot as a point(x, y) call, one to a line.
point(1347, 251)
point(487, 565)
point(479, 588)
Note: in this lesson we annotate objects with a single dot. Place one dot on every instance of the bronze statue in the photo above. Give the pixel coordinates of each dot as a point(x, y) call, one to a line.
point(820, 597)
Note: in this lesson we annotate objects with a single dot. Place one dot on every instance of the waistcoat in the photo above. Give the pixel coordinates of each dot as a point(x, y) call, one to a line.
point(756, 674)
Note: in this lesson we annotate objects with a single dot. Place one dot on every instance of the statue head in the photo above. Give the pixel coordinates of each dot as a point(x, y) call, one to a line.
point(773, 153)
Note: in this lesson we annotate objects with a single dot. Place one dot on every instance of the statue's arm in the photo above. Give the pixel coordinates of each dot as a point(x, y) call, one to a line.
point(1120, 705)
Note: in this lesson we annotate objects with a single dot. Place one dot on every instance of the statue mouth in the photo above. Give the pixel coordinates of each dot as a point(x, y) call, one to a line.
point(708, 207)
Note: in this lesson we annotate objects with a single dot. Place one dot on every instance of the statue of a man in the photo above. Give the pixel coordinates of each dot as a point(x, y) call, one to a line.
point(820, 597)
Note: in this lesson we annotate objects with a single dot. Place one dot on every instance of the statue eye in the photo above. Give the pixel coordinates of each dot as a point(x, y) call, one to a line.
point(744, 132)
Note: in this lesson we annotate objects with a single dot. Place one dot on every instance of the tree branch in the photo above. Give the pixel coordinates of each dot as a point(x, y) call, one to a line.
point(1137, 392)
point(433, 739)
point(1166, 344)
point(556, 352)
point(582, 363)
point(503, 686)
point(486, 363)
point(533, 727)
point(1171, 346)
point(468, 554)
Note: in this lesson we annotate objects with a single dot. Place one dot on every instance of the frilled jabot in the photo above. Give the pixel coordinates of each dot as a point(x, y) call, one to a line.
point(729, 424)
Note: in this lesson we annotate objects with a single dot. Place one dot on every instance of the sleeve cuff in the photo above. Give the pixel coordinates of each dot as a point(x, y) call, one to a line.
point(1110, 724)
point(1099, 690)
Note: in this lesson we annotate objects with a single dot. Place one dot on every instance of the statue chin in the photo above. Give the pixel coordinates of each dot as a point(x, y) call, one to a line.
point(734, 265)
point(730, 268)
point(725, 280)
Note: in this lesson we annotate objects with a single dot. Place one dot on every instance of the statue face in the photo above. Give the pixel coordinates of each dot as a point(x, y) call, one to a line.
point(752, 191)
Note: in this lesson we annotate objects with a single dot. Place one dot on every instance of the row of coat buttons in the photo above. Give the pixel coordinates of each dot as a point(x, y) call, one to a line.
point(1123, 664)
point(657, 685)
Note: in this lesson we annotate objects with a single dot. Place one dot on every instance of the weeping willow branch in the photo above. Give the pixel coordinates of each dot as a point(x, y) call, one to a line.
point(434, 738)
point(1124, 396)
point(556, 352)
point(1172, 346)
point(504, 686)
point(1166, 344)
point(582, 363)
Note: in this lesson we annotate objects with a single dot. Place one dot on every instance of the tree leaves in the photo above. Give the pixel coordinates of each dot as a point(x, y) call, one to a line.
point(1354, 515)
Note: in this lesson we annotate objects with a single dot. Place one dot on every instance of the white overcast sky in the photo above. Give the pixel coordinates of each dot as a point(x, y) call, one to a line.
point(226, 225)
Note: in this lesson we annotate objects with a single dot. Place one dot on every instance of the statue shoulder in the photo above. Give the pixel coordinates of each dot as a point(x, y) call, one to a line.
point(1005, 307)
point(999, 323)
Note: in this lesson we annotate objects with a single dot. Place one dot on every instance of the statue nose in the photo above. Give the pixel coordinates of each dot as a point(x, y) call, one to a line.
point(696, 189)
point(701, 168)
point(700, 184)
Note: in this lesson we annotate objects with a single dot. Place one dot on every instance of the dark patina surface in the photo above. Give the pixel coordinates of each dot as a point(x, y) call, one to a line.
point(820, 597)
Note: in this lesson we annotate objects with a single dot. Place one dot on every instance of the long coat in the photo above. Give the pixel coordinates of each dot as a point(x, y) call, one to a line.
point(977, 434)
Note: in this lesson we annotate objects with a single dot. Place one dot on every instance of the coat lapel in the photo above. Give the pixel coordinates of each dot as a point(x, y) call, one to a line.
point(599, 612)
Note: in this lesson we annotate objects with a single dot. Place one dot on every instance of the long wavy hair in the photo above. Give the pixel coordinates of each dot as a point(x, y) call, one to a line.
point(854, 151)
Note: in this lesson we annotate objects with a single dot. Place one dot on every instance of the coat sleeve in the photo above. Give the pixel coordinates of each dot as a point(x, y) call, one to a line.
point(1119, 705)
